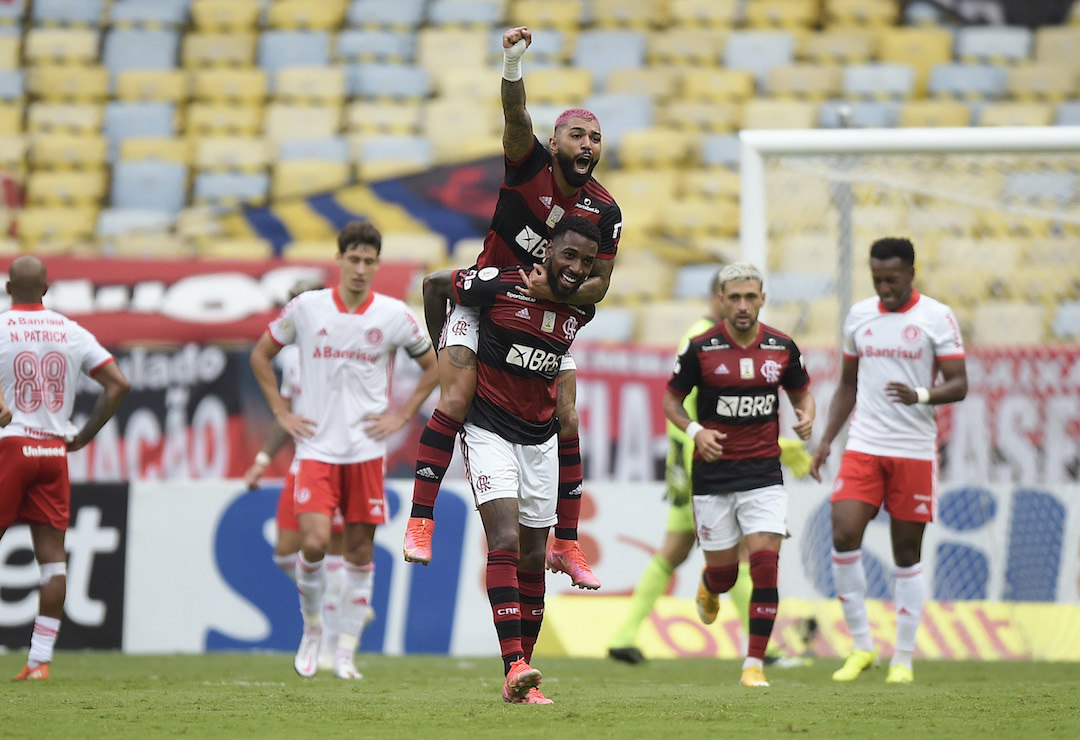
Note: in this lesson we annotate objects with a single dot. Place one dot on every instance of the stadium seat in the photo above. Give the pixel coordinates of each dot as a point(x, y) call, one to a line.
point(861, 114)
point(610, 324)
point(330, 148)
point(230, 189)
point(920, 48)
point(380, 81)
point(758, 51)
point(151, 85)
point(44, 223)
point(237, 153)
point(68, 82)
point(838, 45)
point(466, 47)
point(967, 81)
point(786, 14)
point(12, 84)
point(13, 148)
point(315, 85)
point(684, 46)
point(1041, 188)
point(712, 14)
point(1000, 45)
point(325, 15)
point(721, 150)
point(1068, 113)
point(877, 81)
point(703, 116)
point(279, 49)
point(1048, 285)
point(139, 49)
point(68, 151)
point(720, 85)
point(375, 45)
point(873, 13)
point(149, 184)
point(11, 117)
point(662, 323)
point(931, 113)
point(695, 280)
point(778, 114)
point(565, 15)
point(399, 15)
point(230, 84)
point(658, 82)
point(617, 114)
point(385, 155)
point(426, 247)
point(287, 121)
point(234, 248)
point(223, 118)
point(644, 277)
point(49, 117)
point(1058, 45)
point(310, 250)
point(216, 49)
point(383, 116)
point(1013, 113)
point(66, 187)
point(695, 219)
point(1049, 83)
point(451, 124)
point(166, 148)
point(473, 83)
point(564, 86)
point(1066, 321)
point(225, 16)
point(711, 182)
point(655, 147)
point(601, 51)
point(1008, 323)
point(156, 245)
point(126, 120)
point(151, 14)
point(113, 221)
point(86, 13)
point(644, 197)
point(481, 14)
point(804, 81)
point(10, 52)
point(61, 46)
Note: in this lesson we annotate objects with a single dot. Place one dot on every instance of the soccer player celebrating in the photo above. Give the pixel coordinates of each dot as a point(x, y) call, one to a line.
point(510, 434)
point(894, 346)
point(541, 186)
point(42, 354)
point(347, 337)
point(738, 367)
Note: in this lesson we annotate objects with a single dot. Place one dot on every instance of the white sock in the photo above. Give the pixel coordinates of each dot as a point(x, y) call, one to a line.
point(43, 640)
point(310, 582)
point(287, 563)
point(332, 596)
point(752, 662)
point(910, 596)
point(356, 601)
point(850, 581)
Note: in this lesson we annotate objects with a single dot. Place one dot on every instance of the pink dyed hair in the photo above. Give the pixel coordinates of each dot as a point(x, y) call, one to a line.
point(569, 113)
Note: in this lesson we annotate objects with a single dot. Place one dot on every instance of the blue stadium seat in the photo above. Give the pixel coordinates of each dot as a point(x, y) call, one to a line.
point(12, 84)
point(609, 325)
point(1066, 322)
point(472, 13)
point(67, 12)
point(12, 12)
point(879, 81)
point(601, 51)
point(864, 113)
point(387, 81)
point(375, 45)
point(226, 188)
point(620, 112)
point(120, 220)
point(548, 47)
point(383, 14)
point(149, 184)
point(992, 44)
point(758, 51)
point(1068, 113)
point(334, 149)
point(131, 48)
point(694, 281)
point(149, 13)
point(279, 49)
point(968, 81)
point(720, 150)
point(138, 119)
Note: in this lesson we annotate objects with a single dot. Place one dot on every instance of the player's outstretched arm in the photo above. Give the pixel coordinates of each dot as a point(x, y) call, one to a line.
point(517, 123)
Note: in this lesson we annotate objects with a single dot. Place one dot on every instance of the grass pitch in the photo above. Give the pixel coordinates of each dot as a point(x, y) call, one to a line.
point(244, 695)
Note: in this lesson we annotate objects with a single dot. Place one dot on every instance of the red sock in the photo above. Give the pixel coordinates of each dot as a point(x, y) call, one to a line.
point(433, 456)
point(502, 591)
point(720, 580)
point(531, 585)
point(569, 507)
point(764, 600)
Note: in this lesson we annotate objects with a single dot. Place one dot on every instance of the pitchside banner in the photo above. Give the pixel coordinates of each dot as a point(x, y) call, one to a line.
point(185, 567)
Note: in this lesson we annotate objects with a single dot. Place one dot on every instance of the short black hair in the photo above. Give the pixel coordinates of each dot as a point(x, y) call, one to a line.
point(578, 225)
point(359, 232)
point(893, 246)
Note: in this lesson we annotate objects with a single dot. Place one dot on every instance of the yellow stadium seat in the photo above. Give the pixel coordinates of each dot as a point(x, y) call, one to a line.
point(559, 85)
point(324, 15)
point(643, 199)
point(785, 14)
point(437, 47)
point(217, 49)
point(643, 277)
point(655, 147)
point(778, 114)
point(47, 117)
point(838, 45)
point(41, 223)
point(233, 84)
point(243, 153)
point(225, 15)
point(861, 12)
point(711, 182)
point(286, 121)
point(453, 81)
point(450, 124)
point(804, 81)
point(565, 15)
point(921, 48)
point(318, 85)
point(153, 245)
point(304, 177)
point(1008, 323)
point(658, 82)
point(427, 247)
point(310, 250)
point(13, 151)
point(61, 45)
point(633, 14)
point(1012, 113)
point(1058, 45)
point(1048, 284)
point(1051, 83)
point(9, 52)
point(68, 82)
point(9, 247)
point(688, 46)
point(704, 116)
point(234, 248)
point(67, 151)
point(718, 84)
point(223, 118)
point(704, 13)
point(929, 113)
point(662, 323)
point(165, 148)
point(157, 85)
point(11, 117)
point(699, 218)
point(383, 117)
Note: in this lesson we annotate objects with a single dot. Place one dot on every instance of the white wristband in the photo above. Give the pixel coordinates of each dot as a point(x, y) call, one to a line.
point(922, 395)
point(261, 458)
point(692, 429)
point(512, 61)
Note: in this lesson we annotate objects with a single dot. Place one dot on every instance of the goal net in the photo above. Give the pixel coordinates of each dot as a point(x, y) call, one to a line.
point(995, 218)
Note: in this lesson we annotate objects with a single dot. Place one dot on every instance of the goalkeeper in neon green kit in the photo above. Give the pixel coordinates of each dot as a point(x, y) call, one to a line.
point(679, 534)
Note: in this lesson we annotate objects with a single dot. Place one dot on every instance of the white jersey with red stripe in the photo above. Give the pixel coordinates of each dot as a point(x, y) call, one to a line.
point(345, 363)
point(42, 354)
point(902, 346)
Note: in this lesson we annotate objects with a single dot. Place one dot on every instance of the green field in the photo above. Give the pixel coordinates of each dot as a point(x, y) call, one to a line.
point(109, 695)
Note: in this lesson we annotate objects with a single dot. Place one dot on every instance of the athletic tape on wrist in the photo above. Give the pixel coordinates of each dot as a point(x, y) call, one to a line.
point(922, 395)
point(692, 429)
point(261, 458)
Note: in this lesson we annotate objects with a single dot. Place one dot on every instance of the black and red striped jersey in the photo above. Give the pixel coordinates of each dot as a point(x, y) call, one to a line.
point(738, 394)
point(521, 344)
point(530, 205)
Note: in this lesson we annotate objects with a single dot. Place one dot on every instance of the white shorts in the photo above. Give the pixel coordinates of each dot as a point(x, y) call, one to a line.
point(462, 328)
point(721, 520)
point(500, 469)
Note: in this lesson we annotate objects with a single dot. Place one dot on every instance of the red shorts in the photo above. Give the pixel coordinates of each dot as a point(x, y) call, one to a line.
point(906, 487)
point(34, 486)
point(356, 488)
point(286, 512)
